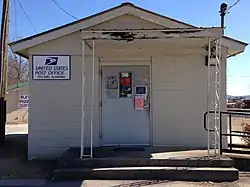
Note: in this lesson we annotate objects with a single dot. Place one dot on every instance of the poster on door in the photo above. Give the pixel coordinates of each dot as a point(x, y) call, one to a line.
point(139, 103)
point(125, 87)
point(111, 82)
point(111, 87)
point(51, 67)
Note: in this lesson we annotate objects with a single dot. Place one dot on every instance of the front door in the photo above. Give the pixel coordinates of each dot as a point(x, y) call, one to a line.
point(125, 105)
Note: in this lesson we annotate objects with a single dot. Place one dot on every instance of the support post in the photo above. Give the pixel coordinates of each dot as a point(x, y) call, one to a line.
point(223, 9)
point(220, 147)
point(3, 67)
point(230, 131)
point(83, 100)
point(93, 98)
point(216, 101)
point(217, 96)
point(2, 119)
point(216, 131)
point(208, 96)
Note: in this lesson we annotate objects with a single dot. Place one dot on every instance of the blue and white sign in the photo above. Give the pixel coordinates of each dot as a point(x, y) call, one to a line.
point(51, 67)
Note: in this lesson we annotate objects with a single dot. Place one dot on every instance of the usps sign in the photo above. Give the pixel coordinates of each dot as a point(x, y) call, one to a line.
point(51, 67)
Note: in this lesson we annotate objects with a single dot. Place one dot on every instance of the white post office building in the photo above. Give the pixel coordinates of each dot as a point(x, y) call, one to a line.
point(124, 77)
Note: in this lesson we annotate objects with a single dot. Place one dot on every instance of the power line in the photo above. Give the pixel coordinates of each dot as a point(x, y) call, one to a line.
point(241, 75)
point(232, 5)
point(27, 16)
point(247, 77)
point(62, 9)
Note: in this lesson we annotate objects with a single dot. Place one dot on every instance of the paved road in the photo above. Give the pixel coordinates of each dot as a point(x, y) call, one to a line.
point(243, 182)
point(23, 129)
point(17, 129)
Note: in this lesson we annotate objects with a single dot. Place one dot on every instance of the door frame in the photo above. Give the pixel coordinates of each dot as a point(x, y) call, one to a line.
point(126, 63)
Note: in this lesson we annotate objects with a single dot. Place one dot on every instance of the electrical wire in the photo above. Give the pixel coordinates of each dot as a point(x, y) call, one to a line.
point(230, 7)
point(62, 9)
point(27, 16)
point(241, 76)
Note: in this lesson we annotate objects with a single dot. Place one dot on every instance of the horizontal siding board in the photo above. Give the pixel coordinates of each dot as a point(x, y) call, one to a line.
point(178, 92)
point(126, 21)
point(57, 46)
point(179, 89)
point(55, 106)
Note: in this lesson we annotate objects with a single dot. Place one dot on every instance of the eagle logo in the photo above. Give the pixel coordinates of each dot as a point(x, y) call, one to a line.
point(51, 61)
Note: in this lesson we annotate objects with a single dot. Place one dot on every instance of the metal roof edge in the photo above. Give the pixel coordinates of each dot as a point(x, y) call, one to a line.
point(94, 15)
point(107, 10)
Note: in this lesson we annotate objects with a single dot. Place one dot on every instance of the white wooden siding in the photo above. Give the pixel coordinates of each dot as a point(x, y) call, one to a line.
point(178, 90)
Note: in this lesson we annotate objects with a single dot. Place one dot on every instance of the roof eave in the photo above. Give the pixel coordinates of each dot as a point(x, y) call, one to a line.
point(20, 46)
point(119, 8)
point(234, 46)
point(244, 43)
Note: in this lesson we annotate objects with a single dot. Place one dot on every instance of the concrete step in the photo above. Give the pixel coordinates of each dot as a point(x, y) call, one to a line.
point(143, 162)
point(149, 173)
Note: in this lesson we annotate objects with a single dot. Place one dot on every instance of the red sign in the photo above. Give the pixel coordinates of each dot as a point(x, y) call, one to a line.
point(125, 81)
point(139, 103)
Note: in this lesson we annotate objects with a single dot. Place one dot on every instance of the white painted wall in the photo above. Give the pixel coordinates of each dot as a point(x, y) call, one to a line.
point(178, 95)
point(55, 106)
point(179, 86)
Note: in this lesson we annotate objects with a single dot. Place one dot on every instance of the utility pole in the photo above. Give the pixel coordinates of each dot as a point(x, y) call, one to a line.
point(223, 11)
point(3, 66)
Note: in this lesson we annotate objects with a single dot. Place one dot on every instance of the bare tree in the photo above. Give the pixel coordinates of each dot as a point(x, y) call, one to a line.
point(18, 68)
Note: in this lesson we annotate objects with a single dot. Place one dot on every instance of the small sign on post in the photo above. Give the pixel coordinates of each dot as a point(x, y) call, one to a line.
point(23, 102)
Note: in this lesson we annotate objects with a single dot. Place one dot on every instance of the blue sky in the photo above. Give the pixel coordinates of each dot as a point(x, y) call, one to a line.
point(45, 15)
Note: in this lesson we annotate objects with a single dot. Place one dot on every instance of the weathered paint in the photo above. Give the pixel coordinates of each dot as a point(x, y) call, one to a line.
point(178, 93)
